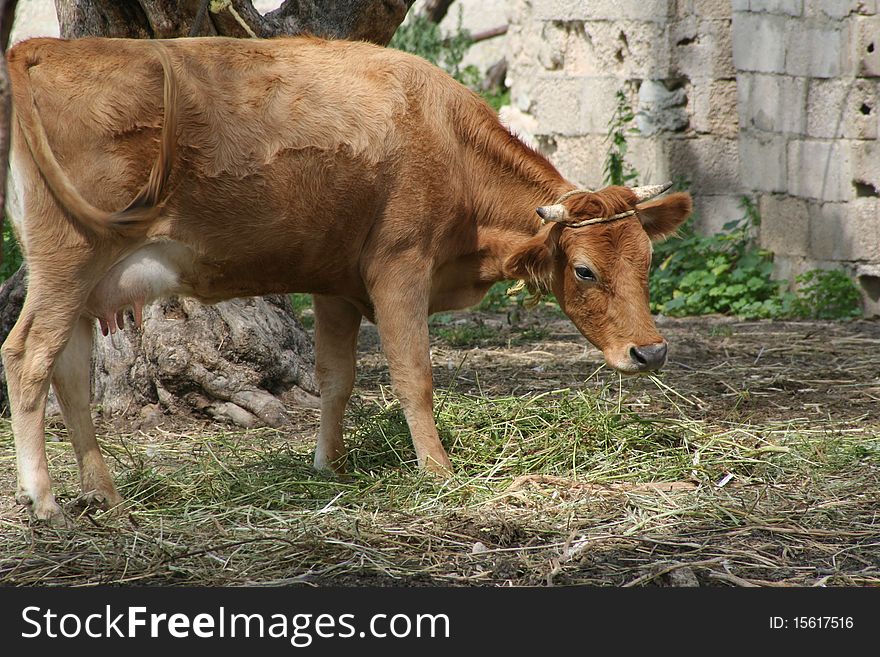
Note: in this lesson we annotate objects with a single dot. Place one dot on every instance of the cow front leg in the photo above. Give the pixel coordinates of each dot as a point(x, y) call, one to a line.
point(71, 380)
point(403, 329)
point(337, 323)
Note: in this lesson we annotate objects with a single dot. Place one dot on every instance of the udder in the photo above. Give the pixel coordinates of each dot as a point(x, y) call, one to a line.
point(152, 272)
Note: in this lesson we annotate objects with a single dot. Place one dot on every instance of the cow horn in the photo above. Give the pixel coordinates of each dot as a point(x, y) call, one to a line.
point(650, 191)
point(556, 212)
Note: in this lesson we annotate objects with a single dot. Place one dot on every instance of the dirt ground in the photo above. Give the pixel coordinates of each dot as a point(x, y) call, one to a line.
point(803, 528)
point(726, 369)
point(719, 368)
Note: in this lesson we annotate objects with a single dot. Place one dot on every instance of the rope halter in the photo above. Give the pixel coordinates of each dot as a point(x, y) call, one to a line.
point(559, 213)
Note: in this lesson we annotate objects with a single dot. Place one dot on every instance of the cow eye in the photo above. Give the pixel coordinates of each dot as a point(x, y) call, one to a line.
point(584, 273)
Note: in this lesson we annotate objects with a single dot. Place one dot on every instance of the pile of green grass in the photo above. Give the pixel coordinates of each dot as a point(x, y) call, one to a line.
point(539, 480)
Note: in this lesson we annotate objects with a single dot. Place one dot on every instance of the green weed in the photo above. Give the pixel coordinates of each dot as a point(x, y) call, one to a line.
point(12, 257)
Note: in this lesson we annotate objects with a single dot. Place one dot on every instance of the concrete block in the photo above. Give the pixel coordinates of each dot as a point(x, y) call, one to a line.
point(819, 50)
point(549, 47)
point(845, 231)
point(699, 106)
point(567, 105)
point(683, 8)
point(864, 229)
point(628, 48)
point(520, 97)
point(868, 276)
point(785, 225)
point(865, 167)
point(711, 164)
point(784, 7)
point(648, 156)
point(865, 54)
point(712, 211)
point(788, 268)
point(843, 108)
point(571, 48)
point(604, 10)
point(556, 103)
point(838, 9)
point(826, 227)
point(701, 48)
point(715, 108)
point(580, 159)
point(739, 5)
point(713, 8)
point(759, 42)
point(521, 64)
point(772, 103)
point(532, 47)
point(820, 170)
point(763, 162)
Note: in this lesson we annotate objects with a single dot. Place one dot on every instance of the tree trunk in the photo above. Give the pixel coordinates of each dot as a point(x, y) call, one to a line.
point(240, 360)
point(359, 20)
point(12, 293)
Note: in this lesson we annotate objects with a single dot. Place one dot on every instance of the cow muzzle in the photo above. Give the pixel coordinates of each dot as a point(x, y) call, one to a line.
point(644, 358)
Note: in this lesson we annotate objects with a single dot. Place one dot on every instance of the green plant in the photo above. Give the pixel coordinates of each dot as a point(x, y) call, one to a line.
point(302, 307)
point(421, 36)
point(496, 97)
point(617, 170)
point(467, 335)
point(12, 257)
point(826, 294)
point(721, 273)
point(698, 275)
point(727, 273)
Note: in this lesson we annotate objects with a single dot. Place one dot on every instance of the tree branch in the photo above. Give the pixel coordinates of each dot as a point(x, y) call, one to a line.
point(358, 20)
point(436, 10)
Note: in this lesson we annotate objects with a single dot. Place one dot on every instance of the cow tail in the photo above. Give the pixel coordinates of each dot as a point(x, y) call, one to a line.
point(135, 218)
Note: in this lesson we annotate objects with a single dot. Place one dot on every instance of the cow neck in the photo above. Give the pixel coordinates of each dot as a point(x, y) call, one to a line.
point(505, 182)
point(517, 181)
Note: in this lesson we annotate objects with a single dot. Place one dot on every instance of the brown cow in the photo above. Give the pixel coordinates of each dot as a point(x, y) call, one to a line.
point(360, 174)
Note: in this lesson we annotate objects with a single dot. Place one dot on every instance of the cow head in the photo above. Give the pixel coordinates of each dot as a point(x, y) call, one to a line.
point(594, 254)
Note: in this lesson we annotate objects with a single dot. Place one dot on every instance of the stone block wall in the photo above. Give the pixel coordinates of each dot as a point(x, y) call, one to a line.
point(775, 99)
point(673, 59)
point(808, 74)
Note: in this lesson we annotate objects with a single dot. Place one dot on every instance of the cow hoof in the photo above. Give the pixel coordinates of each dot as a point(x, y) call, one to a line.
point(45, 511)
point(440, 466)
point(328, 466)
point(96, 500)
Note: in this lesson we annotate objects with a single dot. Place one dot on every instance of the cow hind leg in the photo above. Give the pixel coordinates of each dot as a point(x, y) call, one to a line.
point(29, 356)
point(71, 380)
point(337, 323)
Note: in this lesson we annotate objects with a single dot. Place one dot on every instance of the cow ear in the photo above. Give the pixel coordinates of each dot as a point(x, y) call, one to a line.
point(663, 216)
point(534, 262)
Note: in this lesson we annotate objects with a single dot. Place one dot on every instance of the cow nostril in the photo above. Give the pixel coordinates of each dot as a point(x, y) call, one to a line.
point(637, 357)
